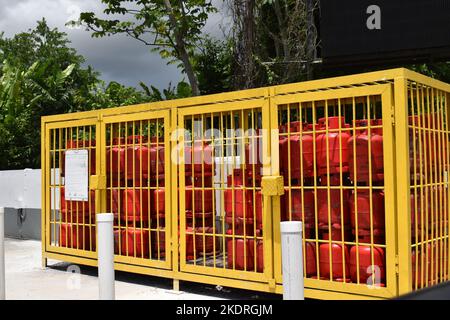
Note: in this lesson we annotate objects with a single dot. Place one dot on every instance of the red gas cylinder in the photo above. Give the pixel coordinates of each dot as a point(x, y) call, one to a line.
point(113, 201)
point(204, 242)
point(364, 236)
point(297, 207)
point(77, 236)
point(297, 150)
point(337, 261)
point(157, 159)
point(244, 177)
point(376, 270)
point(137, 158)
point(335, 234)
point(333, 208)
point(81, 144)
point(363, 210)
point(423, 264)
point(241, 253)
point(158, 245)
point(310, 259)
point(361, 142)
point(199, 200)
point(158, 203)
point(201, 163)
point(135, 205)
point(200, 181)
point(134, 242)
point(200, 220)
point(243, 207)
point(253, 154)
point(335, 140)
point(419, 216)
point(77, 211)
point(117, 241)
point(115, 160)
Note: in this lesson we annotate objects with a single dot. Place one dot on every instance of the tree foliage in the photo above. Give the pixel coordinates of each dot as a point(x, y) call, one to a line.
point(171, 27)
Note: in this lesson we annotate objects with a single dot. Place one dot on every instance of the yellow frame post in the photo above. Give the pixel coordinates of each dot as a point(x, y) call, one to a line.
point(402, 166)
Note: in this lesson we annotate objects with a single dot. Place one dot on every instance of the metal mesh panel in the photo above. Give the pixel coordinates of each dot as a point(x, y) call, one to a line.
point(222, 202)
point(72, 223)
point(136, 187)
point(331, 157)
point(429, 165)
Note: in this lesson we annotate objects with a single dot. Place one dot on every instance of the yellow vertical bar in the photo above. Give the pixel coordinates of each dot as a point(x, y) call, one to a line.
point(389, 196)
point(171, 125)
point(403, 184)
point(271, 166)
point(44, 173)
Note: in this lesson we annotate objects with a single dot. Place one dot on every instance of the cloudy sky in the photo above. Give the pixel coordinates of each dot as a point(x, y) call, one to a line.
point(118, 58)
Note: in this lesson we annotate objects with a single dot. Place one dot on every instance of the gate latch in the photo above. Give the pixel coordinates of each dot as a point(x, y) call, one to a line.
point(97, 182)
point(272, 186)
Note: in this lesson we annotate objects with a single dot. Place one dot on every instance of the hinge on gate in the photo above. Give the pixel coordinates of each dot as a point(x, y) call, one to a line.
point(397, 271)
point(392, 116)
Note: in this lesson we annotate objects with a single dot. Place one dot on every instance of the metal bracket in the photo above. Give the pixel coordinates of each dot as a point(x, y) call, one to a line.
point(272, 186)
point(97, 182)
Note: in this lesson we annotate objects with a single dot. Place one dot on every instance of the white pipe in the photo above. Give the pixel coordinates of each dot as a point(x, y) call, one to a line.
point(292, 260)
point(105, 250)
point(2, 254)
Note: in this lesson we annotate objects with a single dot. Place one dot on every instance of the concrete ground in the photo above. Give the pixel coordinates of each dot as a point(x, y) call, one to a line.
point(25, 280)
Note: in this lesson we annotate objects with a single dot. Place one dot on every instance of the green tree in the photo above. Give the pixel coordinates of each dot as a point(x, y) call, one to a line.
point(213, 65)
point(23, 91)
point(171, 27)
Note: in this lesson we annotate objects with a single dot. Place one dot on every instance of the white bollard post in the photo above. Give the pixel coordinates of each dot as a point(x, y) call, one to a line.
point(292, 260)
point(2, 254)
point(105, 250)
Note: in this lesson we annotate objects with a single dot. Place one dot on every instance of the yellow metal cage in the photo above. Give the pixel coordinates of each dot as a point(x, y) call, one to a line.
point(199, 186)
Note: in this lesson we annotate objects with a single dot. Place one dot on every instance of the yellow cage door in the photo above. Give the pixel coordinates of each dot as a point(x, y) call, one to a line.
point(336, 157)
point(137, 169)
point(224, 223)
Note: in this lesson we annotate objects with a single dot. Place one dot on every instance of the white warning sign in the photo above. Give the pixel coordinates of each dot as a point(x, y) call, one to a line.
point(77, 175)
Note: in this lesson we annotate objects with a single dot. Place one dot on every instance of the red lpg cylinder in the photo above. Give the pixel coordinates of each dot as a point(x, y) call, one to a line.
point(158, 245)
point(375, 271)
point(77, 236)
point(200, 220)
point(335, 208)
point(422, 269)
point(242, 253)
point(135, 205)
point(201, 163)
point(117, 241)
point(335, 140)
point(158, 203)
point(310, 259)
point(335, 233)
point(134, 242)
point(77, 211)
point(115, 160)
point(363, 204)
point(137, 158)
point(305, 141)
point(157, 157)
point(419, 217)
point(113, 204)
point(336, 259)
point(243, 201)
point(204, 242)
point(361, 141)
point(244, 177)
point(199, 200)
point(294, 211)
point(81, 144)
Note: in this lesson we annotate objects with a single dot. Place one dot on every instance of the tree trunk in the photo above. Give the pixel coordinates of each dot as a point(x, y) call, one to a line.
point(182, 52)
